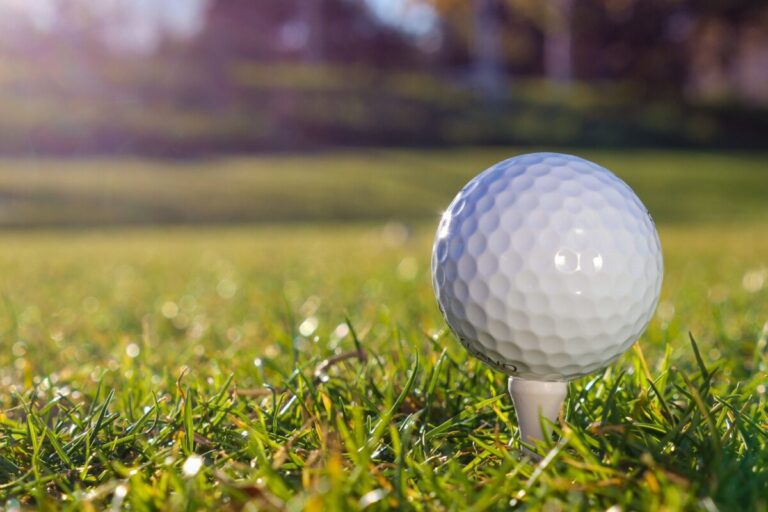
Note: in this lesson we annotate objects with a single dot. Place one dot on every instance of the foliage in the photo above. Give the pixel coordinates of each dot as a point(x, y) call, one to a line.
point(308, 74)
point(169, 107)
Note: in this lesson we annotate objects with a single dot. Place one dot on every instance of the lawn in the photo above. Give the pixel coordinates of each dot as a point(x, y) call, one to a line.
point(372, 185)
point(305, 365)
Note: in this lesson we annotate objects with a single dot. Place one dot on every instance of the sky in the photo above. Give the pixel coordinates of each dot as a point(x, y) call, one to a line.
point(147, 18)
point(414, 17)
point(180, 17)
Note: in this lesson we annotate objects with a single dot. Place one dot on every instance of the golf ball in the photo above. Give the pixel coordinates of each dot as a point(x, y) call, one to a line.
point(547, 267)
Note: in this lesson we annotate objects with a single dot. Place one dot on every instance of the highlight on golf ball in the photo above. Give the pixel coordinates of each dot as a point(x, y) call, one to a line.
point(547, 267)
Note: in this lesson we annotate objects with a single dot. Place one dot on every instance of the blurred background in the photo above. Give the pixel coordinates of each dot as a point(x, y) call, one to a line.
point(121, 111)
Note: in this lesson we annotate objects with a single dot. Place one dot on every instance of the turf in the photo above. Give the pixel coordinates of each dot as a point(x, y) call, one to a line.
point(372, 185)
point(307, 367)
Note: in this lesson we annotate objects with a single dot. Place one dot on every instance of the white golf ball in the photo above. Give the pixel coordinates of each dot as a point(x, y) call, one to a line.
point(547, 267)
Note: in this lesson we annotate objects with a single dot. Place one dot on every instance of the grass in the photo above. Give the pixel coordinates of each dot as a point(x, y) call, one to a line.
point(677, 186)
point(306, 367)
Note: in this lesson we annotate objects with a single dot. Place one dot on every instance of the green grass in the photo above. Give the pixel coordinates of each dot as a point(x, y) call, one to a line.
point(307, 367)
point(677, 186)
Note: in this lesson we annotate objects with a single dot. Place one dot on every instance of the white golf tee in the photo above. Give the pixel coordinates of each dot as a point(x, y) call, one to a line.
point(534, 400)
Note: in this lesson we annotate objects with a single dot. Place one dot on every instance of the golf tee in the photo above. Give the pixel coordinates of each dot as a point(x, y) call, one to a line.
point(534, 400)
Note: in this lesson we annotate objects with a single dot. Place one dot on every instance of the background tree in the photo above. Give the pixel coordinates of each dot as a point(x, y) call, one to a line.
point(295, 30)
point(489, 63)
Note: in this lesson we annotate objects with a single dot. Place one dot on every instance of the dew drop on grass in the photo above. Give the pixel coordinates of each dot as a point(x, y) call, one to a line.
point(394, 234)
point(341, 331)
point(308, 326)
point(57, 335)
point(226, 288)
point(132, 350)
point(754, 280)
point(169, 310)
point(196, 331)
point(372, 497)
point(192, 465)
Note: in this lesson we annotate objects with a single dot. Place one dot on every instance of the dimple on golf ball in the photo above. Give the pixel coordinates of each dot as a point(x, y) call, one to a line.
point(547, 267)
